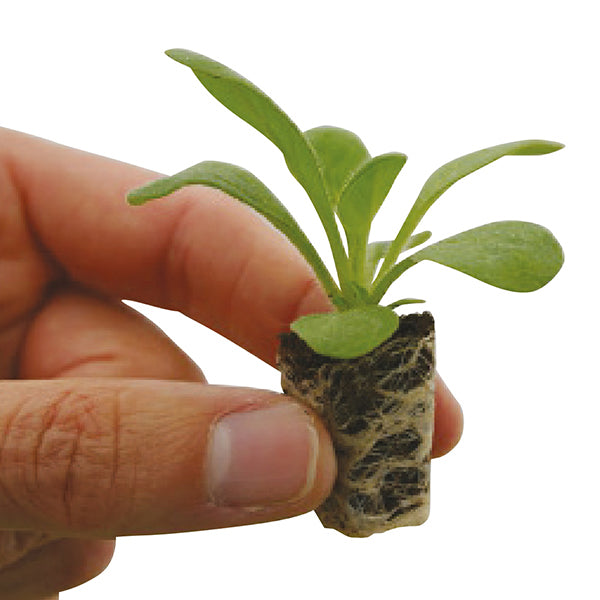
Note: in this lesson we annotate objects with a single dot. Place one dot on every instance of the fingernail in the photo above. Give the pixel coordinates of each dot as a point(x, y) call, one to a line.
point(261, 457)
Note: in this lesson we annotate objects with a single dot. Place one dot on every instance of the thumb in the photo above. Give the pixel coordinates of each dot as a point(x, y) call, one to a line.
point(109, 457)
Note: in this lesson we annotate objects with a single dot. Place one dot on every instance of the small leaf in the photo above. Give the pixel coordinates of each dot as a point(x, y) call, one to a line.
point(364, 193)
point(340, 154)
point(245, 187)
point(449, 174)
point(377, 250)
point(512, 255)
point(416, 240)
point(347, 334)
point(375, 253)
point(360, 200)
point(252, 105)
point(405, 301)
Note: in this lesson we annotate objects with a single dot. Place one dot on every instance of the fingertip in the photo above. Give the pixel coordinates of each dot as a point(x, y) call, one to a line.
point(164, 457)
point(449, 420)
point(272, 455)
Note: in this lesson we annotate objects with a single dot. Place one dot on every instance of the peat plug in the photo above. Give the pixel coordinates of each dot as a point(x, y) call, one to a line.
point(364, 369)
point(378, 409)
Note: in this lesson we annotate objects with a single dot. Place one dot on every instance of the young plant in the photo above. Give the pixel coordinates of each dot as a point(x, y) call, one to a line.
point(342, 179)
point(365, 370)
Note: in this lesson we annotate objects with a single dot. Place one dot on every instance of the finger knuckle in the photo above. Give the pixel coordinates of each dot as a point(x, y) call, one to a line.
point(65, 456)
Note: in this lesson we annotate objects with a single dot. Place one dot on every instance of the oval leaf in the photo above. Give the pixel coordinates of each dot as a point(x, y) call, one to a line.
point(340, 154)
point(450, 173)
point(364, 193)
point(377, 250)
point(347, 334)
point(360, 200)
point(252, 105)
point(512, 255)
point(245, 187)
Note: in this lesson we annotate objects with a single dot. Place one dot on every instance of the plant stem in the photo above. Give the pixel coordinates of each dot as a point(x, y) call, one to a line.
point(340, 257)
point(322, 202)
point(409, 225)
point(383, 282)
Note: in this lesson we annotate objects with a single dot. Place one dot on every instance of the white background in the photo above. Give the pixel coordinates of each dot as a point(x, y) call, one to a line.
point(514, 507)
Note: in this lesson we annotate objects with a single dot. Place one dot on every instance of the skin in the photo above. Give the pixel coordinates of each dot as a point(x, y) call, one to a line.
point(70, 250)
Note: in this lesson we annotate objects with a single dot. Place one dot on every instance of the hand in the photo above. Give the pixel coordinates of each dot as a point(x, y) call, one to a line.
point(107, 428)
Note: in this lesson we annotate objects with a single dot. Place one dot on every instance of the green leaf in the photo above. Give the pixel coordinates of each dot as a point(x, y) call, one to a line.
point(449, 174)
point(375, 253)
point(359, 202)
point(347, 334)
point(340, 154)
point(365, 192)
point(252, 105)
point(245, 187)
point(512, 255)
point(405, 301)
point(377, 250)
point(416, 240)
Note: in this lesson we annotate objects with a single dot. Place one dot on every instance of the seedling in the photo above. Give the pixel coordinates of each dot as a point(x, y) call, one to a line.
point(346, 184)
point(341, 178)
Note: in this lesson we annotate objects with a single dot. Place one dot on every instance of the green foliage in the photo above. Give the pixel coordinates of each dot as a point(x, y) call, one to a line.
point(253, 106)
point(340, 153)
point(449, 174)
point(245, 187)
point(360, 199)
point(342, 180)
point(349, 333)
point(511, 255)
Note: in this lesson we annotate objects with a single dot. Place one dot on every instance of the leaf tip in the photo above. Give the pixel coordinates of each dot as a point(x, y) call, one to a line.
point(538, 147)
point(134, 198)
point(180, 55)
point(553, 147)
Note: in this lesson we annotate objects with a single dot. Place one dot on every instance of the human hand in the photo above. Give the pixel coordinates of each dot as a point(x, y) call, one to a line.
point(107, 428)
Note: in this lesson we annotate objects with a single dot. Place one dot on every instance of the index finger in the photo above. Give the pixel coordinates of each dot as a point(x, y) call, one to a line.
point(201, 252)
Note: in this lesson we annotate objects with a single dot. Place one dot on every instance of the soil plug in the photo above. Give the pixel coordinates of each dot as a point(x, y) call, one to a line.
point(364, 369)
point(378, 409)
